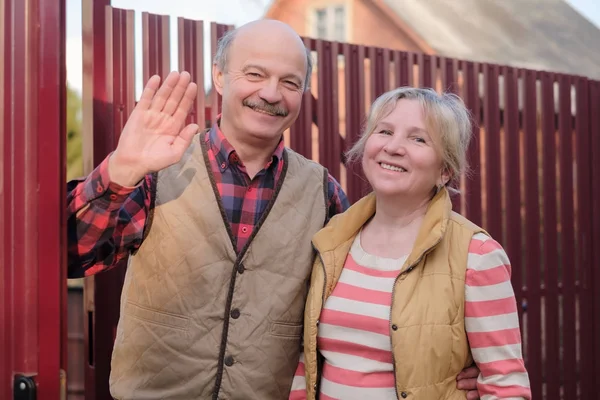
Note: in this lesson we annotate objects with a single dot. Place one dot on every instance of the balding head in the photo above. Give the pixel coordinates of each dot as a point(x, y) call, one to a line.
point(268, 32)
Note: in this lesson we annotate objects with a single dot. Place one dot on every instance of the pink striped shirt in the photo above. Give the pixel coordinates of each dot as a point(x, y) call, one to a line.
point(354, 328)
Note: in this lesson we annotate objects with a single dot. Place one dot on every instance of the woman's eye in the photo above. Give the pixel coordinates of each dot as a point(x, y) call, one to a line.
point(385, 132)
point(420, 140)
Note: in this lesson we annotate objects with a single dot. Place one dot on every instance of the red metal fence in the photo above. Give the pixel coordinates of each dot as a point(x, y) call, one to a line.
point(535, 159)
point(32, 202)
point(535, 162)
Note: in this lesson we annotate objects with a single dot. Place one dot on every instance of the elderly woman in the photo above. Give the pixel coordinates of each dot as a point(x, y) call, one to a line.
point(405, 293)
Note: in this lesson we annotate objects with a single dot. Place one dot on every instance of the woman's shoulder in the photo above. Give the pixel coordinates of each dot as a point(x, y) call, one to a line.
point(486, 253)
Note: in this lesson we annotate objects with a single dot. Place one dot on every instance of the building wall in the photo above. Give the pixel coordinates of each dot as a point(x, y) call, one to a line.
point(366, 24)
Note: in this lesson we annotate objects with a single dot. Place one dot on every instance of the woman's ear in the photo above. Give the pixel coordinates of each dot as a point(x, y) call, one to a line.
point(446, 176)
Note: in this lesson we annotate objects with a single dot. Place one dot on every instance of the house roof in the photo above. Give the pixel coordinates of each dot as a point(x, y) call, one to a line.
point(538, 34)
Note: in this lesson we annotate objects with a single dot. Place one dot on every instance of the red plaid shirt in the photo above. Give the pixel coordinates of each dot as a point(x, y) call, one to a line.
point(105, 221)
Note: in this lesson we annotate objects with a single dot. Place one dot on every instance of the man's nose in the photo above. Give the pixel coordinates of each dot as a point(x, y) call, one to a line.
point(270, 92)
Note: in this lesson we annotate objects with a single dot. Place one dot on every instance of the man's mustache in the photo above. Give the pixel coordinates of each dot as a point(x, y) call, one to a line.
point(266, 107)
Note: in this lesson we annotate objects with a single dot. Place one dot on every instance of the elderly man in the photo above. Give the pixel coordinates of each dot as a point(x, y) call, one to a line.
point(216, 227)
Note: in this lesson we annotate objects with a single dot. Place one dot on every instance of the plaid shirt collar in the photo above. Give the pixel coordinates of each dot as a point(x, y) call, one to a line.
point(225, 154)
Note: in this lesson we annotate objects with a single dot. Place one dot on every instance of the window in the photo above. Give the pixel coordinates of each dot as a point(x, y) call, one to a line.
point(329, 23)
point(340, 26)
point(321, 17)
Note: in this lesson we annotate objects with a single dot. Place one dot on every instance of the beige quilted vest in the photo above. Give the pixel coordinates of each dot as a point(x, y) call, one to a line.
point(427, 326)
point(199, 321)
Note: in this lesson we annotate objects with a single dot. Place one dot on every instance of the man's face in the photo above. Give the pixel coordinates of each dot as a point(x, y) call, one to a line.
point(262, 85)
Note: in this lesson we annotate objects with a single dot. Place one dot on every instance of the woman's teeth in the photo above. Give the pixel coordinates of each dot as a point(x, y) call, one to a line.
point(392, 167)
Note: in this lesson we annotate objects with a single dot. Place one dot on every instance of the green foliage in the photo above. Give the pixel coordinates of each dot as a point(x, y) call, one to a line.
point(74, 139)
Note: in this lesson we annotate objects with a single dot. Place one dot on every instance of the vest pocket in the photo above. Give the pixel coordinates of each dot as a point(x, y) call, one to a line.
point(286, 329)
point(157, 317)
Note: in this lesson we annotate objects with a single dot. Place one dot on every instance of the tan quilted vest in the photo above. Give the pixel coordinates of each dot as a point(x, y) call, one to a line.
point(427, 331)
point(199, 321)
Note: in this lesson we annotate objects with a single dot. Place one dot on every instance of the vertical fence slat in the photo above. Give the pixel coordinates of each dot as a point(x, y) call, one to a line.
point(215, 98)
point(321, 103)
point(197, 50)
point(354, 77)
point(120, 88)
point(52, 234)
point(156, 45)
point(329, 143)
point(191, 58)
point(386, 60)
point(550, 243)
point(567, 267)
point(6, 203)
point(403, 62)
point(32, 183)
point(216, 32)
point(514, 247)
point(379, 71)
point(309, 115)
point(584, 259)
point(420, 59)
point(493, 186)
point(97, 143)
point(148, 46)
point(21, 116)
point(532, 234)
point(301, 130)
point(448, 68)
point(594, 97)
point(426, 68)
point(333, 132)
point(431, 67)
point(376, 72)
point(128, 82)
point(473, 182)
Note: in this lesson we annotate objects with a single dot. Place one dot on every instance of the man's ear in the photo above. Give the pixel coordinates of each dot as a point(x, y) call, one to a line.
point(218, 76)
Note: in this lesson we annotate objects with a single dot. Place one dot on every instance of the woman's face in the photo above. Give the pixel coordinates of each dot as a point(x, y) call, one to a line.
point(400, 157)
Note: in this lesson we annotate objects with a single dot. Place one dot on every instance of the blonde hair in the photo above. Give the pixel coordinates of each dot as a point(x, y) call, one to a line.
point(446, 118)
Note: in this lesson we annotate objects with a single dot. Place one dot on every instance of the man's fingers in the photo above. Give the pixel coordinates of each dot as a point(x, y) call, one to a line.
point(183, 140)
point(467, 384)
point(165, 91)
point(471, 372)
point(473, 395)
point(149, 92)
point(177, 94)
point(184, 107)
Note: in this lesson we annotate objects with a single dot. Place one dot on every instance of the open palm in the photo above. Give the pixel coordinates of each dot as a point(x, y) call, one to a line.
point(154, 136)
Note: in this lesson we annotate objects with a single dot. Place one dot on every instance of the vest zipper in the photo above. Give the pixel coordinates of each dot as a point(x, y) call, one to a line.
point(316, 385)
point(392, 305)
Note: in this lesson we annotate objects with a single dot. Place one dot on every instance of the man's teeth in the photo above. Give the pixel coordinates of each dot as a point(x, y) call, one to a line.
point(392, 167)
point(263, 112)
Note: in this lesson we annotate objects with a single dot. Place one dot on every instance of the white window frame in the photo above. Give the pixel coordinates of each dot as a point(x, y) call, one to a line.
point(331, 27)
